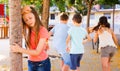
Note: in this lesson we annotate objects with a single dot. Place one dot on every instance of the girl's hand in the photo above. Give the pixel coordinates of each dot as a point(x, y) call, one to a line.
point(68, 49)
point(15, 48)
point(118, 46)
point(47, 47)
point(90, 29)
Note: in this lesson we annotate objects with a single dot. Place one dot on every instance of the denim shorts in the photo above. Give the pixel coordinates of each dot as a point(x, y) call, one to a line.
point(75, 61)
point(39, 65)
point(108, 51)
point(66, 58)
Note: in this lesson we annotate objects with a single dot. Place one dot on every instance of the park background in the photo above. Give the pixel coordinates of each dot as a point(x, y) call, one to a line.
point(49, 11)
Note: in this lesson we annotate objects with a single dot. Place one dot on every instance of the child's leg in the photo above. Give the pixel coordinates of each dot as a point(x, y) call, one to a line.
point(108, 66)
point(65, 67)
point(73, 66)
point(61, 64)
point(105, 64)
point(66, 61)
point(78, 69)
point(75, 60)
point(78, 61)
point(106, 54)
point(109, 63)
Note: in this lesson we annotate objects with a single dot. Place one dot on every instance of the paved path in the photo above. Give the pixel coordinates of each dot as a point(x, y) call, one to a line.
point(90, 60)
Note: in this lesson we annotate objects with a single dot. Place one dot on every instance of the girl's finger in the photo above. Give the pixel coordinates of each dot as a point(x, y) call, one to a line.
point(14, 44)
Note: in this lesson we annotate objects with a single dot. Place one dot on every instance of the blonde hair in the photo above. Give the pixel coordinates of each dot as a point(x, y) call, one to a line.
point(26, 28)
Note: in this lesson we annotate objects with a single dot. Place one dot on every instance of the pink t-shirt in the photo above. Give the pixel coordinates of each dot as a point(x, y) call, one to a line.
point(43, 33)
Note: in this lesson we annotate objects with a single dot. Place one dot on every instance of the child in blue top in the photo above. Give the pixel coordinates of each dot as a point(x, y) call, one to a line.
point(59, 33)
point(76, 36)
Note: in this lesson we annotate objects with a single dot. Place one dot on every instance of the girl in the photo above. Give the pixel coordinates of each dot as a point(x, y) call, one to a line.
point(107, 42)
point(35, 36)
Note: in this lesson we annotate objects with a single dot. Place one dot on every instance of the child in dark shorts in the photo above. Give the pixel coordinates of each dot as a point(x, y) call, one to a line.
point(76, 35)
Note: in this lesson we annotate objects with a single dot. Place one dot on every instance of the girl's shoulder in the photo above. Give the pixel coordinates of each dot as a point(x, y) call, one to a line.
point(43, 32)
point(109, 30)
point(100, 31)
point(42, 28)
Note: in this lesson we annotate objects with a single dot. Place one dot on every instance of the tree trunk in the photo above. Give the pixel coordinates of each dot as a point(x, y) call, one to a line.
point(45, 13)
point(113, 16)
point(88, 16)
point(15, 34)
point(89, 5)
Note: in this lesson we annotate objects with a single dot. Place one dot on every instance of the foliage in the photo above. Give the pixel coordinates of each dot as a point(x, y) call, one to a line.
point(36, 3)
point(2, 1)
point(67, 4)
point(60, 4)
point(30, 2)
point(81, 7)
point(70, 3)
point(109, 2)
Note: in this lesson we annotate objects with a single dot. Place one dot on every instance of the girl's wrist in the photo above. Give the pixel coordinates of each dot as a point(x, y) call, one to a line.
point(20, 49)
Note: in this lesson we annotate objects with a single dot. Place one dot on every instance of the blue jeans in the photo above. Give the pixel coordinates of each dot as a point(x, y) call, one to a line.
point(39, 65)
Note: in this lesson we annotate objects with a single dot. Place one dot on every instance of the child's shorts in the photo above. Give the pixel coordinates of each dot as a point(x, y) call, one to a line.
point(66, 58)
point(75, 61)
point(108, 51)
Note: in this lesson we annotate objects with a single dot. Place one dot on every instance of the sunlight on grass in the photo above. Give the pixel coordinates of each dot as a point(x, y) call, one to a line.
point(116, 59)
point(25, 69)
point(82, 62)
point(4, 68)
point(93, 52)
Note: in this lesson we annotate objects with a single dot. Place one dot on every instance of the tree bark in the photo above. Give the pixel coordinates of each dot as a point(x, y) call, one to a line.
point(45, 13)
point(88, 16)
point(89, 5)
point(113, 16)
point(15, 34)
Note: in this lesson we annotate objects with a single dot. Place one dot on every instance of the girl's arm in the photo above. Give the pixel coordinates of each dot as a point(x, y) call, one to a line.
point(95, 37)
point(37, 51)
point(114, 38)
point(50, 33)
point(67, 43)
point(88, 39)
